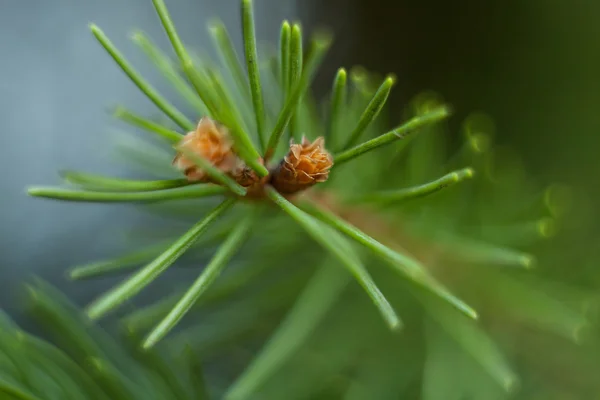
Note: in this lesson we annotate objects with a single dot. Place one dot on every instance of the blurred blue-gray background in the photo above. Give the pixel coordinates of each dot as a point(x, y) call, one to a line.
point(57, 84)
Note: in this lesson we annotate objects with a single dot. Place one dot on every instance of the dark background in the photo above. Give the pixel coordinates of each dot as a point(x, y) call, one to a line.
point(532, 65)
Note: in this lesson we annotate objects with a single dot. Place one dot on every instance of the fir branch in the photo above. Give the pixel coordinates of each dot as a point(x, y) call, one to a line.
point(140, 82)
point(407, 266)
point(401, 132)
point(142, 278)
point(243, 144)
point(211, 272)
point(341, 250)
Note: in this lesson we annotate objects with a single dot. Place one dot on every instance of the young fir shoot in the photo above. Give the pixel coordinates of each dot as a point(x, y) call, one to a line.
point(239, 171)
point(297, 76)
point(244, 145)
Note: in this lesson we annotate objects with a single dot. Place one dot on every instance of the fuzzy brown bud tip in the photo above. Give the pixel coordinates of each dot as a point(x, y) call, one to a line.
point(212, 142)
point(244, 175)
point(305, 165)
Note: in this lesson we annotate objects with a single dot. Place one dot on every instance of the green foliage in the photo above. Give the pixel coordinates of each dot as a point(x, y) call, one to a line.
point(282, 313)
point(84, 362)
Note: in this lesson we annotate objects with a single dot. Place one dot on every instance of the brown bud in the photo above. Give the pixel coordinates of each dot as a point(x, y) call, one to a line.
point(305, 164)
point(244, 175)
point(212, 142)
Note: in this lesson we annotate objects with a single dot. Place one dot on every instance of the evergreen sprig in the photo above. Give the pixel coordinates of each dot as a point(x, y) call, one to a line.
point(310, 257)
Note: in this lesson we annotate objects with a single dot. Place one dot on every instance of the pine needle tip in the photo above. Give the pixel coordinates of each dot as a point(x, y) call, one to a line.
point(34, 191)
point(358, 74)
point(136, 36)
point(510, 384)
point(323, 38)
point(581, 333)
point(466, 173)
point(215, 25)
point(118, 111)
point(31, 292)
point(547, 227)
point(71, 275)
point(527, 261)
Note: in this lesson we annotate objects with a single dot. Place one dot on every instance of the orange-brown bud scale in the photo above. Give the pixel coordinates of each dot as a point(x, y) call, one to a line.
point(305, 165)
point(212, 141)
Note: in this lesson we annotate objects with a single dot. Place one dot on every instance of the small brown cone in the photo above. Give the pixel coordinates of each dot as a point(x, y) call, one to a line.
point(305, 165)
point(245, 176)
point(210, 141)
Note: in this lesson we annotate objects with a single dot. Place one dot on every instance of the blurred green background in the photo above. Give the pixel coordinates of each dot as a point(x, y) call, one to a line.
point(532, 65)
